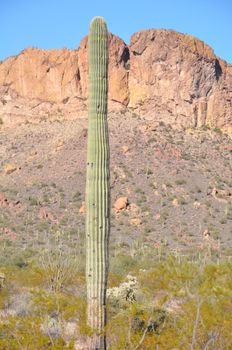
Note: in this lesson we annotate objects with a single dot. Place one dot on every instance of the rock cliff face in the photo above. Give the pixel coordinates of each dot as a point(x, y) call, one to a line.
point(162, 75)
point(180, 79)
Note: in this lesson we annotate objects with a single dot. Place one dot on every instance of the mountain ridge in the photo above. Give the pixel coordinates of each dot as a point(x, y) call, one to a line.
point(163, 74)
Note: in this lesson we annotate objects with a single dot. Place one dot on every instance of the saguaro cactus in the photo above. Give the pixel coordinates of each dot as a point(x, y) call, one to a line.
point(97, 184)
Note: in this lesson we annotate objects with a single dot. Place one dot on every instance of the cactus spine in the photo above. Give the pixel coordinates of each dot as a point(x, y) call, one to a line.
point(97, 183)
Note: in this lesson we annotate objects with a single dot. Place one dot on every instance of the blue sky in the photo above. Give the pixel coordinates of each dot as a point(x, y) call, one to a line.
point(63, 23)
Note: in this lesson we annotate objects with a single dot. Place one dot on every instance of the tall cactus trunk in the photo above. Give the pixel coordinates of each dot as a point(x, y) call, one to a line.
point(97, 184)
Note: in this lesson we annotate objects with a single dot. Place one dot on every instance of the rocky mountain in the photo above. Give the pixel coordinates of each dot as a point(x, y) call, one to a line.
point(162, 74)
point(170, 243)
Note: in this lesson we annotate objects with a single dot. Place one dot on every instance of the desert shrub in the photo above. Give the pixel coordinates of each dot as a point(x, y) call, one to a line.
point(12, 254)
point(59, 259)
point(180, 182)
point(156, 307)
point(29, 277)
point(65, 305)
point(135, 327)
point(122, 264)
point(26, 333)
point(181, 304)
point(4, 297)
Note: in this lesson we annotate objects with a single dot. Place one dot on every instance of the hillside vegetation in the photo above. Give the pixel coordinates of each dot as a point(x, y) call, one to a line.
point(170, 247)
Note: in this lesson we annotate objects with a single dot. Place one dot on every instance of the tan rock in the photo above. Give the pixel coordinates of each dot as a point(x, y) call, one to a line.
point(59, 145)
point(125, 149)
point(206, 234)
point(221, 195)
point(15, 204)
point(136, 222)
point(121, 203)
point(164, 187)
point(45, 215)
point(175, 202)
point(10, 168)
point(155, 185)
point(5, 202)
point(196, 205)
point(82, 209)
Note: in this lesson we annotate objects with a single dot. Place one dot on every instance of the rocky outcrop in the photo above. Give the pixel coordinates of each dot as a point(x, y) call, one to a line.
point(178, 78)
point(162, 75)
point(121, 203)
point(118, 74)
point(49, 75)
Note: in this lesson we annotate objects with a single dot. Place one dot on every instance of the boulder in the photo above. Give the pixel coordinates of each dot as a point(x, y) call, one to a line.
point(10, 168)
point(121, 203)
